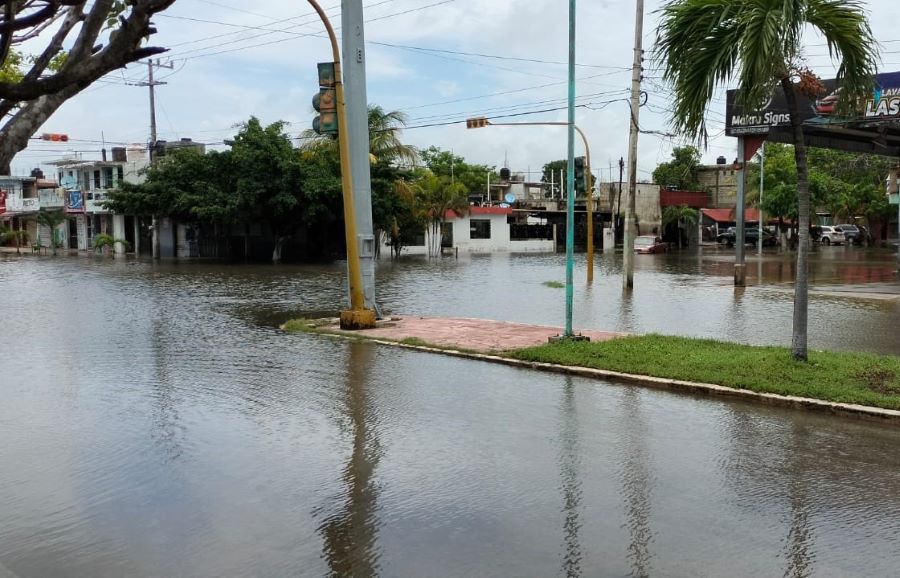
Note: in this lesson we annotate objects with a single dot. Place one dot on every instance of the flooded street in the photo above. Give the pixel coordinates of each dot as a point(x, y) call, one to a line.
point(155, 422)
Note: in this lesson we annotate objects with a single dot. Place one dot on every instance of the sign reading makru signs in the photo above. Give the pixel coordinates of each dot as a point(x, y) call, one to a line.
point(882, 105)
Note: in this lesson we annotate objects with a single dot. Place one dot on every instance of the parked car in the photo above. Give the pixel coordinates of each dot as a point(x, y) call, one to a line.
point(751, 237)
point(853, 235)
point(649, 245)
point(831, 235)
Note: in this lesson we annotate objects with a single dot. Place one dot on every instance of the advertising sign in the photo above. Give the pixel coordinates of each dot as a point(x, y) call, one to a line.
point(882, 105)
point(2, 201)
point(74, 202)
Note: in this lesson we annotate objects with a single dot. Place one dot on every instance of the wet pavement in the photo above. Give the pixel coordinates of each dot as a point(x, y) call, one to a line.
point(481, 335)
point(155, 422)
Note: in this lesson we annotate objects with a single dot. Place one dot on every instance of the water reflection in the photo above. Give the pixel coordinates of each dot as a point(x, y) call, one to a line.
point(637, 487)
point(166, 422)
point(569, 466)
point(349, 534)
point(798, 547)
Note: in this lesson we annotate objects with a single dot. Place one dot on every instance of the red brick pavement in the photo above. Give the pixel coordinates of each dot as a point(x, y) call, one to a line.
point(483, 335)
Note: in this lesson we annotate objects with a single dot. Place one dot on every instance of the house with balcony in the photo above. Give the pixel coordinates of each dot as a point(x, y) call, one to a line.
point(22, 199)
point(85, 187)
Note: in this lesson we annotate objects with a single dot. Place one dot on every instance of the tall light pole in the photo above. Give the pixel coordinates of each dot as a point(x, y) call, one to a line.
point(628, 238)
point(357, 114)
point(357, 317)
point(570, 174)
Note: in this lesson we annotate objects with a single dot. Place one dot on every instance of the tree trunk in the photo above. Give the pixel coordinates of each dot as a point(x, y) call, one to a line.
point(246, 241)
point(276, 252)
point(25, 122)
point(801, 284)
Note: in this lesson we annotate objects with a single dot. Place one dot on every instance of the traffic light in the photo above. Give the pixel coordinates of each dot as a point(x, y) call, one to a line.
point(325, 101)
point(477, 122)
point(579, 177)
point(55, 137)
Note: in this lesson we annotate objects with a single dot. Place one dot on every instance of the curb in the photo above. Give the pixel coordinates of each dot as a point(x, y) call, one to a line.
point(865, 412)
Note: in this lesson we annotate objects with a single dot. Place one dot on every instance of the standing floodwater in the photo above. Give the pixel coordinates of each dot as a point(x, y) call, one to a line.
point(154, 422)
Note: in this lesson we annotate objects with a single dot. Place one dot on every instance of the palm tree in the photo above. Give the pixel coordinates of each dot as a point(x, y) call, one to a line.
point(434, 197)
point(680, 215)
point(702, 44)
point(51, 220)
point(104, 241)
point(384, 138)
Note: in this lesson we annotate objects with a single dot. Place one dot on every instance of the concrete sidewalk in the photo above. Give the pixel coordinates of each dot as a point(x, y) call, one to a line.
point(481, 335)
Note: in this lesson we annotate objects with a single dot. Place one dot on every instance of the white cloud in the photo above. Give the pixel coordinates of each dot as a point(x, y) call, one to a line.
point(272, 75)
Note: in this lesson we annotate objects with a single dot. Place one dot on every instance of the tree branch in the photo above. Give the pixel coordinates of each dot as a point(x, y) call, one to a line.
point(82, 67)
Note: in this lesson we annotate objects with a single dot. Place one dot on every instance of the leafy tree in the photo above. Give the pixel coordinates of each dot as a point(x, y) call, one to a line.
point(84, 41)
point(681, 172)
point(262, 179)
point(551, 174)
point(757, 43)
point(680, 216)
point(446, 164)
point(555, 172)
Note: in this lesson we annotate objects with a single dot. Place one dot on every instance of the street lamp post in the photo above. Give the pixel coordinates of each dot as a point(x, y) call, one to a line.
point(588, 178)
point(357, 317)
point(480, 122)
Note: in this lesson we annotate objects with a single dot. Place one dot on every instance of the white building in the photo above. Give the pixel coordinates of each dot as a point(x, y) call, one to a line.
point(486, 230)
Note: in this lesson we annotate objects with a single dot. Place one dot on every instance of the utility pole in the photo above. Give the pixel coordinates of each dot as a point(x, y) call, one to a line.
point(354, 48)
point(628, 265)
point(619, 201)
point(151, 84)
point(762, 162)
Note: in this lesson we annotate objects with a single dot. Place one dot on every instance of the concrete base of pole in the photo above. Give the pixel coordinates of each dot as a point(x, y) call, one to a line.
point(558, 338)
point(740, 275)
point(352, 319)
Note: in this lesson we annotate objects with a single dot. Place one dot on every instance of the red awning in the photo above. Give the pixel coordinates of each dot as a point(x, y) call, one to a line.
point(728, 215)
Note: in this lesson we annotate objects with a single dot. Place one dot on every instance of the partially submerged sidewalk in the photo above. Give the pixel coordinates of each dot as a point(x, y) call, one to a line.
point(850, 384)
point(479, 335)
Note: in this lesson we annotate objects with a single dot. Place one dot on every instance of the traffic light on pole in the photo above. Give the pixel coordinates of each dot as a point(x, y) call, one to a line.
point(55, 137)
point(477, 122)
point(325, 102)
point(579, 176)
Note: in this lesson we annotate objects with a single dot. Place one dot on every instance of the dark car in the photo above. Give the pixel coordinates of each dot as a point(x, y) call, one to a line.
point(853, 235)
point(751, 237)
point(649, 245)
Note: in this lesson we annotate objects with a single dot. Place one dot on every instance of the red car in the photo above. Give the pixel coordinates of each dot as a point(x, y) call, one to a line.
point(648, 245)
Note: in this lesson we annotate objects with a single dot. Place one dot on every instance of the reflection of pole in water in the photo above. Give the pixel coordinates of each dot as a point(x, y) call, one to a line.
point(798, 545)
point(636, 487)
point(167, 428)
point(569, 460)
point(350, 533)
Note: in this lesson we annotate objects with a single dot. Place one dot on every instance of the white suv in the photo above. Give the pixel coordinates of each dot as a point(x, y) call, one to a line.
point(831, 236)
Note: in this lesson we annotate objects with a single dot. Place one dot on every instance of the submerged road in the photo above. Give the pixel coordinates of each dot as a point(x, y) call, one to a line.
point(154, 422)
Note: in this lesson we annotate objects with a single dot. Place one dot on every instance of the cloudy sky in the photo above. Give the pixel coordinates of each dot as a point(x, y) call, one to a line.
point(439, 61)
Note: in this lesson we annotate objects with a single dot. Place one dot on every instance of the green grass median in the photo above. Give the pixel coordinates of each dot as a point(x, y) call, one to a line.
point(859, 378)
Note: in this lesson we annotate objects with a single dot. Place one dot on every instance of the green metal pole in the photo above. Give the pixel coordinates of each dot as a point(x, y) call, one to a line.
point(570, 175)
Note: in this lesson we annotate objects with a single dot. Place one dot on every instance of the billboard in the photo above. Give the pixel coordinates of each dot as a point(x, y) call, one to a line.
point(882, 105)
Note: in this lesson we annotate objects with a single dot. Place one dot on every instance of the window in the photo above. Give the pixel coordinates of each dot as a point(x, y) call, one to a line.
point(120, 174)
point(107, 177)
point(97, 180)
point(480, 229)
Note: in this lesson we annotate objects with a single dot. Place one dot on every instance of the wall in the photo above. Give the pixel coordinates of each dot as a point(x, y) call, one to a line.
point(727, 192)
point(499, 242)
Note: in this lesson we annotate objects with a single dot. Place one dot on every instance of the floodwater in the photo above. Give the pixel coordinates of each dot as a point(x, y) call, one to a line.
point(154, 422)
